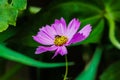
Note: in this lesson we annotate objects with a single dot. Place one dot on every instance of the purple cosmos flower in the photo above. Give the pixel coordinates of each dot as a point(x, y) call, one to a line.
point(57, 36)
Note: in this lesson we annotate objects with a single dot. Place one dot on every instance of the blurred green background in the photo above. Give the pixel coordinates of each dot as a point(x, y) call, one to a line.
point(96, 58)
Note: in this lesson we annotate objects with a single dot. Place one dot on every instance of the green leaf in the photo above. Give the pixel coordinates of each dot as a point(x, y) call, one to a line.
point(90, 71)
point(90, 20)
point(18, 57)
point(3, 2)
point(68, 10)
point(78, 6)
point(112, 8)
point(19, 4)
point(4, 25)
point(7, 34)
point(112, 72)
point(34, 9)
point(74, 9)
point(9, 12)
point(113, 5)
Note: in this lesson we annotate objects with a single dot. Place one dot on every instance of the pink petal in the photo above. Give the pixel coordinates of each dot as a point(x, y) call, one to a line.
point(40, 39)
point(81, 35)
point(49, 30)
point(72, 28)
point(63, 22)
point(60, 50)
point(45, 35)
point(42, 49)
point(56, 53)
point(60, 26)
point(76, 38)
point(63, 50)
point(85, 30)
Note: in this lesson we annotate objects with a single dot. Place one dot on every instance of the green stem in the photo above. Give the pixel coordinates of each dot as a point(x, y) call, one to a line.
point(111, 22)
point(66, 71)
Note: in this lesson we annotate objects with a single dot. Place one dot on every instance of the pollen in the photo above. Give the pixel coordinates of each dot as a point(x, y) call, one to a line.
point(60, 40)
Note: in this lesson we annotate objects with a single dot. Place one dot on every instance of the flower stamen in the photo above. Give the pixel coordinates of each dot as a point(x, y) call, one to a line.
point(60, 40)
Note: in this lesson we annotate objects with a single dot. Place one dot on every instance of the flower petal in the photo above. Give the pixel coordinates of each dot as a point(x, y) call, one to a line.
point(63, 22)
point(49, 30)
point(81, 35)
point(42, 49)
point(76, 38)
point(60, 26)
point(42, 40)
point(43, 37)
point(85, 30)
point(63, 50)
point(60, 50)
point(73, 26)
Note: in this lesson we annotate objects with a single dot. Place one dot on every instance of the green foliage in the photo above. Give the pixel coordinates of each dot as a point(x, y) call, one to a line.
point(4, 35)
point(18, 57)
point(112, 72)
point(9, 12)
point(91, 69)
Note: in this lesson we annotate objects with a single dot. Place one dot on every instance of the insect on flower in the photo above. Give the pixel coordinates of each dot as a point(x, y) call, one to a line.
point(57, 36)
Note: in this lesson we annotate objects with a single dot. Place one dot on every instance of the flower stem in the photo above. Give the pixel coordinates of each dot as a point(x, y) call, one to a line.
point(66, 71)
point(112, 33)
point(111, 22)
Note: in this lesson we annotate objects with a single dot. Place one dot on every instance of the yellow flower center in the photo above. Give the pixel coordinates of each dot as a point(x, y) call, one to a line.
point(60, 40)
